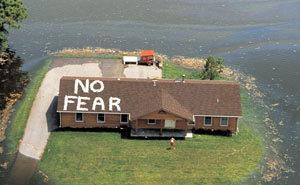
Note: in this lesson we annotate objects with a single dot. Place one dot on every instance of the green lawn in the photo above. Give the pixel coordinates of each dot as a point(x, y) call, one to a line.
point(174, 71)
point(106, 158)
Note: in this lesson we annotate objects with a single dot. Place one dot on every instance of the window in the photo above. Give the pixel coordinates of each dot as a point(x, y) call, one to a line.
point(191, 123)
point(170, 124)
point(224, 122)
point(79, 117)
point(124, 118)
point(207, 121)
point(151, 121)
point(101, 118)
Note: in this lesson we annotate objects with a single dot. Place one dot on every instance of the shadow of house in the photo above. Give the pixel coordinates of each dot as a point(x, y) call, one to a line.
point(227, 133)
point(52, 116)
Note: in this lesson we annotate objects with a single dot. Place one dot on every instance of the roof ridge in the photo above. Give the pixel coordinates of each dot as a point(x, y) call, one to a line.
point(148, 80)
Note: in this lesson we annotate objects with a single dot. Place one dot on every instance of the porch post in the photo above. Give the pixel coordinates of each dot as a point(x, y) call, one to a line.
point(136, 126)
point(186, 128)
point(161, 124)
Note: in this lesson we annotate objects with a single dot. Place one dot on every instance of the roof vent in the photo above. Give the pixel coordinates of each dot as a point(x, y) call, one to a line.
point(154, 82)
point(119, 79)
point(217, 100)
point(183, 78)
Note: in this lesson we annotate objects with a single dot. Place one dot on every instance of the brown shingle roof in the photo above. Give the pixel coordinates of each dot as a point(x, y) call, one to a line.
point(140, 97)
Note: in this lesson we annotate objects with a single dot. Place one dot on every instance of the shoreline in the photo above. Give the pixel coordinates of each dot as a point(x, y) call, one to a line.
point(245, 81)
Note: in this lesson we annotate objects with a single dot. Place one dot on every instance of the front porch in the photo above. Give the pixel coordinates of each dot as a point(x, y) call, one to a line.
point(145, 132)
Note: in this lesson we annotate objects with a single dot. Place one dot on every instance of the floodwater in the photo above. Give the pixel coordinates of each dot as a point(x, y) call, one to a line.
point(261, 38)
point(22, 170)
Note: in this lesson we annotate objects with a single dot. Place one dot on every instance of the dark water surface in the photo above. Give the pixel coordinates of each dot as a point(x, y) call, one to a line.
point(261, 38)
point(22, 170)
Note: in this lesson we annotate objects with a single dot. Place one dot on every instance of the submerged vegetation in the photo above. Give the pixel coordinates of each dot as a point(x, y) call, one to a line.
point(12, 79)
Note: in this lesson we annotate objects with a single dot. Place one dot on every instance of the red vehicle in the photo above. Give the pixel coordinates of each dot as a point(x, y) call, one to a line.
point(147, 57)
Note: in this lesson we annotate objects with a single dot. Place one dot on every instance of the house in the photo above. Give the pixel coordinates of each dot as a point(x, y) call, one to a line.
point(149, 107)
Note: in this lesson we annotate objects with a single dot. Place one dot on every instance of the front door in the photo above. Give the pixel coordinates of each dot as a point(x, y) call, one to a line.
point(170, 124)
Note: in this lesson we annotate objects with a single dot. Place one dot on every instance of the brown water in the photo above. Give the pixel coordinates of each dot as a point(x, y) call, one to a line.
point(22, 170)
point(259, 37)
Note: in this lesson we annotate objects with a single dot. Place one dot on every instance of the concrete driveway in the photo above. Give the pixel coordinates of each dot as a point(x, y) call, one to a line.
point(112, 68)
point(43, 117)
point(142, 71)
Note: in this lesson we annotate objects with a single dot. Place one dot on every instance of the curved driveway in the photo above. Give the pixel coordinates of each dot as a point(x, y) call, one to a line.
point(43, 117)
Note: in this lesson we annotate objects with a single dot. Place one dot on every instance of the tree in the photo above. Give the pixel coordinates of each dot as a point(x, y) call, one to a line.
point(12, 12)
point(12, 79)
point(212, 68)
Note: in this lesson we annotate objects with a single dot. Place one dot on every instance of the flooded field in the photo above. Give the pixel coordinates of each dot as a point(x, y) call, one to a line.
point(260, 38)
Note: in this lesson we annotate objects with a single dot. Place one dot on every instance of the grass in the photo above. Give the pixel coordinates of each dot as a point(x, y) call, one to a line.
point(173, 71)
point(19, 120)
point(97, 56)
point(106, 158)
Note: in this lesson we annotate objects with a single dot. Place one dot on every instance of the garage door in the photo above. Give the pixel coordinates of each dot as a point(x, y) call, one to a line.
point(169, 123)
